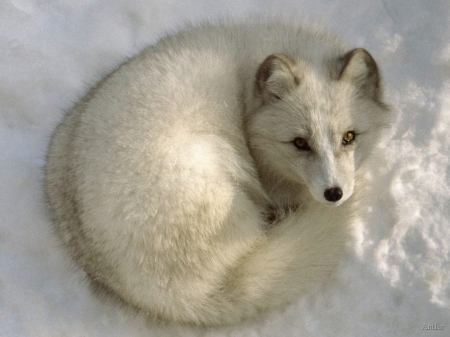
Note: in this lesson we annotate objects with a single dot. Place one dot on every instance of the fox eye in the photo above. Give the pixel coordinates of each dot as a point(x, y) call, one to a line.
point(349, 138)
point(301, 144)
point(276, 97)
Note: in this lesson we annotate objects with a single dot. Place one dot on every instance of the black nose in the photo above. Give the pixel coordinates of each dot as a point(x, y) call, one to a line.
point(333, 194)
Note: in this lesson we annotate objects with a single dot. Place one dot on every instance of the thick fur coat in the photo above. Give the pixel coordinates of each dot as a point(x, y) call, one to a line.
point(215, 174)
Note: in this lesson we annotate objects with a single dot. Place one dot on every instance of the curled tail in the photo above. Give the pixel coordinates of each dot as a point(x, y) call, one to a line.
point(221, 265)
point(286, 262)
point(180, 236)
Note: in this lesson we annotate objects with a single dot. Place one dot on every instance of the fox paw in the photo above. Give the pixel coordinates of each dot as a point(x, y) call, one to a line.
point(273, 214)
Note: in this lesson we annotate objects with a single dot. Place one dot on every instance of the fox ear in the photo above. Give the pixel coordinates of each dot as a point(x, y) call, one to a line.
point(275, 77)
point(359, 67)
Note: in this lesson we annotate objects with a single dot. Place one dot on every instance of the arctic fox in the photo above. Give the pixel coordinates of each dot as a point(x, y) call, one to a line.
point(212, 176)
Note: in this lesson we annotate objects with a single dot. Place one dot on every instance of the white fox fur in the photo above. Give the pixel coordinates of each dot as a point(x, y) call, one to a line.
point(180, 183)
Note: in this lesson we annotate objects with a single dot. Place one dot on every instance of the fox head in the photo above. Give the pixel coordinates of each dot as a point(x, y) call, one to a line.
point(314, 124)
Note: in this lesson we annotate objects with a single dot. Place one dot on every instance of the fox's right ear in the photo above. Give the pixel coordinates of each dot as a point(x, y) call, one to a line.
point(358, 67)
point(275, 77)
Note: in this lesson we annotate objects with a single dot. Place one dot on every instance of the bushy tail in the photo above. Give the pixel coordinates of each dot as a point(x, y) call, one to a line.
point(190, 252)
point(292, 258)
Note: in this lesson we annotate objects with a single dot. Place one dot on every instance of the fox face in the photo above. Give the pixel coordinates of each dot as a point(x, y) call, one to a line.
point(315, 125)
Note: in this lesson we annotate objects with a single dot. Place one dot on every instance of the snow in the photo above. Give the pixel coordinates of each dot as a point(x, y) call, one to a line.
point(395, 281)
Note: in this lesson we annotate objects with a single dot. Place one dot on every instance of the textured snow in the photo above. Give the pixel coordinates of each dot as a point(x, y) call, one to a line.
point(395, 281)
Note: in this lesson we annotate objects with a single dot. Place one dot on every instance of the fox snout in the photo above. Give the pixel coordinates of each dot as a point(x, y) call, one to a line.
point(331, 179)
point(333, 194)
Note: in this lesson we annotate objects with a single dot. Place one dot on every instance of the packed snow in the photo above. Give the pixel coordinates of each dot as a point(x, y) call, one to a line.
point(395, 281)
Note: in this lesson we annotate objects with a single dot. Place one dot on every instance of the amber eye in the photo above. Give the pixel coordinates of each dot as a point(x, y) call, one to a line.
point(348, 138)
point(301, 144)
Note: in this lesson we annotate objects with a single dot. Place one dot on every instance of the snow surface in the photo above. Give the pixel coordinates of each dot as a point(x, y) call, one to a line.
point(397, 278)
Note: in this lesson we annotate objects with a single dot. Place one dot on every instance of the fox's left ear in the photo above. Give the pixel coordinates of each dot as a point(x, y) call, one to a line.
point(275, 77)
point(359, 67)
